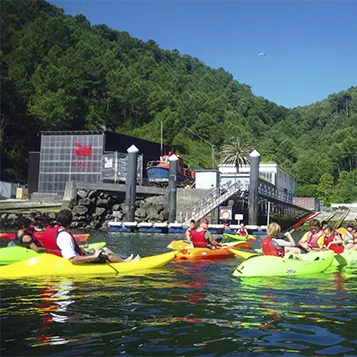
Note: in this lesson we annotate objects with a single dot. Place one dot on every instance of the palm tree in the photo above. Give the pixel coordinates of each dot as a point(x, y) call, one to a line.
point(236, 152)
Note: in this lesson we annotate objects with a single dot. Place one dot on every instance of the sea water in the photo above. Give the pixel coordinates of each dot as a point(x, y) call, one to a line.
point(182, 309)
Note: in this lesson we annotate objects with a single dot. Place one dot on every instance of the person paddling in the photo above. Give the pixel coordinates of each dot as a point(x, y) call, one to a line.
point(201, 237)
point(312, 240)
point(352, 243)
point(242, 231)
point(59, 241)
point(277, 246)
point(25, 238)
point(191, 227)
point(333, 240)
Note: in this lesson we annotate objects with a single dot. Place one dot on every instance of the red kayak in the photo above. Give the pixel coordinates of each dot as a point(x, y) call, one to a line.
point(38, 235)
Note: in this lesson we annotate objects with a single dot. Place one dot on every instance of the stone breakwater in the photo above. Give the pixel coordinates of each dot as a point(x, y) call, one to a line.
point(94, 209)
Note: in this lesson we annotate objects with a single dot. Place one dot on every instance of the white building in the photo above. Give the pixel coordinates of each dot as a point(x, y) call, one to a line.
point(207, 179)
point(270, 172)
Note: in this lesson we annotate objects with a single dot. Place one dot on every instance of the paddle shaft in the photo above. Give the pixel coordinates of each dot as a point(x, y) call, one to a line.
point(302, 221)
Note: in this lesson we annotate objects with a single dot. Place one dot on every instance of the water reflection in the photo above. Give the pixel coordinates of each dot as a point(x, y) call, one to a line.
point(182, 309)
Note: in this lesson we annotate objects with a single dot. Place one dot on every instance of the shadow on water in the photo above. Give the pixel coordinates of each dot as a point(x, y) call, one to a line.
point(184, 309)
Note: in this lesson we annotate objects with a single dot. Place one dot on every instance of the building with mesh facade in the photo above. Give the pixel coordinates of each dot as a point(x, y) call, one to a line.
point(83, 156)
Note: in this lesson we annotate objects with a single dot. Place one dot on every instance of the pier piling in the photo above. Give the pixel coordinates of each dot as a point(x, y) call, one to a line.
point(172, 196)
point(253, 187)
point(130, 192)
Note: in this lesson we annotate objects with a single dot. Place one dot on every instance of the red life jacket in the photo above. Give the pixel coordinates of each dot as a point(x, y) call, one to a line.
point(270, 249)
point(49, 241)
point(198, 239)
point(242, 233)
point(313, 238)
point(337, 248)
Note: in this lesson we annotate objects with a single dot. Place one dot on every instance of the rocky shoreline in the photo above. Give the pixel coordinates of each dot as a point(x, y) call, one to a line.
point(93, 209)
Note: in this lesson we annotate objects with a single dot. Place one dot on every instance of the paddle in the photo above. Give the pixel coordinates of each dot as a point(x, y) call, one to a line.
point(243, 254)
point(179, 244)
point(241, 245)
point(302, 221)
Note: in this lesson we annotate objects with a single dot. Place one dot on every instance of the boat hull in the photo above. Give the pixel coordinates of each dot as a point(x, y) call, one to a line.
point(267, 265)
point(9, 255)
point(235, 237)
point(196, 254)
point(51, 265)
point(158, 174)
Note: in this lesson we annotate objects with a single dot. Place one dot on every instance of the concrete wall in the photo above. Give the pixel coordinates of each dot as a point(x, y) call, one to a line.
point(186, 197)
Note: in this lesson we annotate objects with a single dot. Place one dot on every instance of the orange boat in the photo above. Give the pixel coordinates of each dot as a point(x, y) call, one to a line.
point(38, 235)
point(196, 254)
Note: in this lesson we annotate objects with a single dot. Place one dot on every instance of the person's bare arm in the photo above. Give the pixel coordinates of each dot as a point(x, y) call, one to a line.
point(188, 235)
point(213, 242)
point(79, 259)
point(33, 246)
point(291, 240)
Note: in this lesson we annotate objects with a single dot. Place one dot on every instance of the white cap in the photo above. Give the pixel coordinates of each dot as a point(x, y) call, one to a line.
point(133, 148)
point(254, 153)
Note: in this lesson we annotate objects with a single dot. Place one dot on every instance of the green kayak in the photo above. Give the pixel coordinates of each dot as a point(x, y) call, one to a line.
point(234, 237)
point(9, 255)
point(346, 259)
point(267, 265)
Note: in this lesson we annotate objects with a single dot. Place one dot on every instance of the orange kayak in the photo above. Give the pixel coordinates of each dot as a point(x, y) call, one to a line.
point(196, 254)
point(38, 235)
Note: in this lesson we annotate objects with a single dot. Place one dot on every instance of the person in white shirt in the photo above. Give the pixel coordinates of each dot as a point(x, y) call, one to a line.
point(63, 243)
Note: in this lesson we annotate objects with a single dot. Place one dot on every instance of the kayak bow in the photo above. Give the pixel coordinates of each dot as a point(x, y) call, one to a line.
point(52, 265)
point(267, 265)
point(9, 255)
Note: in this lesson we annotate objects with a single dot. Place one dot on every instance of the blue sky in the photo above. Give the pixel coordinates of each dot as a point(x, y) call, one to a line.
point(310, 46)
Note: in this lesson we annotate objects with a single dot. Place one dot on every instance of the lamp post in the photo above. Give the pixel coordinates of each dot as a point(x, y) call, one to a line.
point(212, 146)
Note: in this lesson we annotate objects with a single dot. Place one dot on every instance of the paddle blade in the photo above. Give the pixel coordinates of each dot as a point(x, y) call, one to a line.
point(342, 230)
point(242, 254)
point(178, 244)
point(244, 245)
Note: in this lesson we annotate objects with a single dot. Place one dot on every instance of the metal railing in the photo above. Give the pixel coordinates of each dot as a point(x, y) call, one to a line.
point(212, 200)
point(268, 190)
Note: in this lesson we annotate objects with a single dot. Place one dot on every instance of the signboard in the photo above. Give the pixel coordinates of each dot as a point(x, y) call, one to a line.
point(238, 217)
point(225, 213)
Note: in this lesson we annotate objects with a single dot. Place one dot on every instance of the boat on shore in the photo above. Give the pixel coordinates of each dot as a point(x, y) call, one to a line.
point(158, 171)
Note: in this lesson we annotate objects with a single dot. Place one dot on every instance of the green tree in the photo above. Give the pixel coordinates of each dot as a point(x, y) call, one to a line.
point(325, 189)
point(236, 152)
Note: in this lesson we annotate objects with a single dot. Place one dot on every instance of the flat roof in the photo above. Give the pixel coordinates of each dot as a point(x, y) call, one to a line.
point(72, 132)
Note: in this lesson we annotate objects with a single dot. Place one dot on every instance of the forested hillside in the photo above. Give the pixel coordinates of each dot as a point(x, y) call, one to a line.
point(59, 72)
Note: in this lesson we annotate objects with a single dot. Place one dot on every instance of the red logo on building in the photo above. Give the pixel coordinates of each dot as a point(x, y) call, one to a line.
point(83, 150)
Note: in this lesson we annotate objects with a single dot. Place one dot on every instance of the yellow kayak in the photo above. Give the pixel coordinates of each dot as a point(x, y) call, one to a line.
point(243, 254)
point(51, 265)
